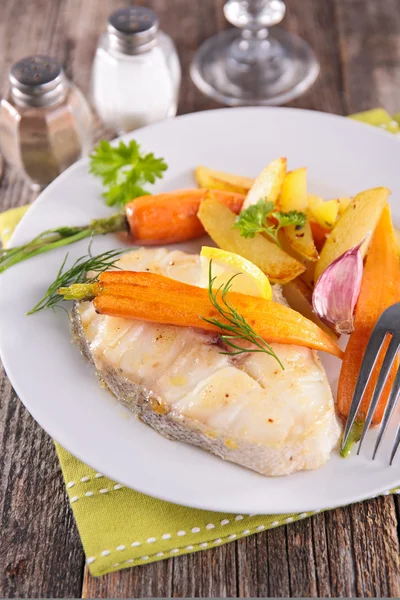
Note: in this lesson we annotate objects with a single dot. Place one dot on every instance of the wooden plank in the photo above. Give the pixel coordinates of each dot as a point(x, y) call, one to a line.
point(376, 548)
point(147, 581)
point(315, 22)
point(253, 566)
point(300, 551)
point(369, 40)
point(39, 545)
point(189, 27)
point(340, 552)
point(203, 574)
point(321, 557)
point(211, 573)
point(40, 551)
point(369, 44)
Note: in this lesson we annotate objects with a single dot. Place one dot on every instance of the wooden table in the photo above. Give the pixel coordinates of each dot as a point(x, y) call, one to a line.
point(351, 551)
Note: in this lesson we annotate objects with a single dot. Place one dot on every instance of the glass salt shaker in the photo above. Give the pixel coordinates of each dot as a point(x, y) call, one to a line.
point(45, 122)
point(136, 71)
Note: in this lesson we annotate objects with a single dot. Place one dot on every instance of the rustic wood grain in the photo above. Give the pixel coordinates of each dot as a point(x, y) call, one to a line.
point(352, 551)
point(368, 35)
point(147, 581)
point(315, 21)
point(369, 42)
point(376, 548)
point(40, 551)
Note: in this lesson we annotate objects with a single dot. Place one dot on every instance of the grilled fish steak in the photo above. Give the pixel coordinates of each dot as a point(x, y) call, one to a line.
point(243, 409)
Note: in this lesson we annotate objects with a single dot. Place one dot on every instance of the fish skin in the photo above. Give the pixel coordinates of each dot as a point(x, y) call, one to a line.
point(301, 429)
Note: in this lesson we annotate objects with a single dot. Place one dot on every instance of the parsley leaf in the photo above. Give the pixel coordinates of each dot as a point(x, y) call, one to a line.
point(253, 219)
point(124, 170)
point(293, 217)
point(261, 218)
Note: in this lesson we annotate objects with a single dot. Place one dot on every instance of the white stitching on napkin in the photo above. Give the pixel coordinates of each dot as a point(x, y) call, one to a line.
point(88, 494)
point(191, 547)
point(85, 479)
point(201, 545)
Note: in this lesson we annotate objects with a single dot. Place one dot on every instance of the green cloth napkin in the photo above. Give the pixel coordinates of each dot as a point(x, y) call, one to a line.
point(121, 528)
point(379, 117)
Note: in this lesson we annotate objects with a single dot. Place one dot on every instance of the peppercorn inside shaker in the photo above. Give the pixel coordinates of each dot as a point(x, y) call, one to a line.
point(136, 71)
point(45, 122)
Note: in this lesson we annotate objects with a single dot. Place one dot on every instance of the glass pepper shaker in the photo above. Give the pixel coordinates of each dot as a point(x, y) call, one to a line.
point(136, 71)
point(45, 122)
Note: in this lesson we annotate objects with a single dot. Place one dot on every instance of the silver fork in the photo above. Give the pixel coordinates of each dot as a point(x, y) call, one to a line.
point(388, 324)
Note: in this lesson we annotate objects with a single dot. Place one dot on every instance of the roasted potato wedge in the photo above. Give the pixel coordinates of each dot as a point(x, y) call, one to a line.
point(294, 191)
point(218, 220)
point(294, 197)
point(308, 277)
point(343, 204)
point(299, 297)
point(301, 239)
point(358, 220)
point(313, 200)
point(326, 213)
point(268, 184)
point(217, 180)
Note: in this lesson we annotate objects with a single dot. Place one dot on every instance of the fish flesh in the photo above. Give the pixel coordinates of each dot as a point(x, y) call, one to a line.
point(244, 409)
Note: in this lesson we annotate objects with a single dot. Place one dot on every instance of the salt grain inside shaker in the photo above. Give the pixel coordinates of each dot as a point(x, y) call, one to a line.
point(45, 122)
point(136, 71)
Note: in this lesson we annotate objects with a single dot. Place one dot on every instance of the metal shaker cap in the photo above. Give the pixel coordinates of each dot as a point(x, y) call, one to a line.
point(37, 80)
point(133, 30)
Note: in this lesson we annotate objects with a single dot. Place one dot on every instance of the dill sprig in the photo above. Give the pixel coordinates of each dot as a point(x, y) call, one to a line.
point(77, 274)
point(236, 327)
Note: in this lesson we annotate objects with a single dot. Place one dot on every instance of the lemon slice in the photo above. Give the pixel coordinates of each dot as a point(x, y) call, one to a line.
point(251, 280)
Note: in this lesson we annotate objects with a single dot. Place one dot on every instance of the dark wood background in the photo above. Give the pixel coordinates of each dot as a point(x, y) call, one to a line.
point(352, 551)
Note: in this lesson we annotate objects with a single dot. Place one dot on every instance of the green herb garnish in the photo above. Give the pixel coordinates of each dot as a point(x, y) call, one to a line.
point(59, 237)
point(236, 327)
point(76, 275)
point(125, 170)
point(262, 218)
point(354, 437)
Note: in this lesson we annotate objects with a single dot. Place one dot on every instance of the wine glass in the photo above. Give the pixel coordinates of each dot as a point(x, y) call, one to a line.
point(253, 64)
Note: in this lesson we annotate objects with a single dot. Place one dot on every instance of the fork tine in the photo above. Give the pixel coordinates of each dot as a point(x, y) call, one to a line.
point(396, 445)
point(382, 378)
point(393, 398)
point(370, 357)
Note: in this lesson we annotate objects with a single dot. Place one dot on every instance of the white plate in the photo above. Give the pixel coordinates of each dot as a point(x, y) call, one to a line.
point(59, 387)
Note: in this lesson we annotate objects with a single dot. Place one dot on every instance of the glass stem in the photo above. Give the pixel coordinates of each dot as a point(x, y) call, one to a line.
point(254, 14)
